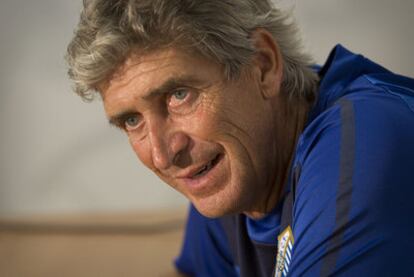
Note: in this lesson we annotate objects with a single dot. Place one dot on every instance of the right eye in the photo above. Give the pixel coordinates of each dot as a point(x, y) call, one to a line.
point(131, 122)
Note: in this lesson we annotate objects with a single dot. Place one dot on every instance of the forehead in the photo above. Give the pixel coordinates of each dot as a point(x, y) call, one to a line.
point(151, 69)
point(142, 73)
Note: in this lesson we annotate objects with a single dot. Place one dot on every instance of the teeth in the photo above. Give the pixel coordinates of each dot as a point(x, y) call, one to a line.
point(204, 169)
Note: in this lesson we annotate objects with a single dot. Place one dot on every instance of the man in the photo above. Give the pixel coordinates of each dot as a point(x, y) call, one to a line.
point(291, 170)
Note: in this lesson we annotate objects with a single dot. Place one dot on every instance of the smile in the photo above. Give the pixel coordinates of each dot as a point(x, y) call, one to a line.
point(205, 179)
point(206, 168)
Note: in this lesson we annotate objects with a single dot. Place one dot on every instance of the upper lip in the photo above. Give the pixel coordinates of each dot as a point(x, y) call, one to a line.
point(193, 170)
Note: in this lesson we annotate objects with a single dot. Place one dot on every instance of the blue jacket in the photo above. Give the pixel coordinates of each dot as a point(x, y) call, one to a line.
point(350, 197)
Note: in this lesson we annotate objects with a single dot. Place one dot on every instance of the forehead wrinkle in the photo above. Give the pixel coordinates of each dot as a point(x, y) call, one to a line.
point(124, 97)
point(125, 77)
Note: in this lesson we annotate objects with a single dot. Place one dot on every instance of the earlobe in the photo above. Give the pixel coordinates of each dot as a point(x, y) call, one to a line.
point(268, 60)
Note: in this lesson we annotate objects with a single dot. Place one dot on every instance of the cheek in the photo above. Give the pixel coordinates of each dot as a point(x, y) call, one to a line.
point(143, 151)
point(204, 123)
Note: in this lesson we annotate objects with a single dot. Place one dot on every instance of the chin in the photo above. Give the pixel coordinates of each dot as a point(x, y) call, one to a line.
point(217, 205)
point(211, 212)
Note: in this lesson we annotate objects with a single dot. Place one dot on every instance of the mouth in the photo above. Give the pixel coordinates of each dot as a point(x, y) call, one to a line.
point(204, 179)
point(207, 167)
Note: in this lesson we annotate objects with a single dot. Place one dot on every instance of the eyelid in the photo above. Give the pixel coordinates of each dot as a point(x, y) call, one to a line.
point(185, 89)
point(179, 89)
point(184, 106)
point(138, 118)
point(120, 122)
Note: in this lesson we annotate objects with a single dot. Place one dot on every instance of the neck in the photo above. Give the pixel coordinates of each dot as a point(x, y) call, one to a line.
point(291, 116)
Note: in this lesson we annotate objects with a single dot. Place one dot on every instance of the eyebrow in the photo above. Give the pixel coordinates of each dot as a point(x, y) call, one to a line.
point(166, 87)
point(171, 84)
point(117, 119)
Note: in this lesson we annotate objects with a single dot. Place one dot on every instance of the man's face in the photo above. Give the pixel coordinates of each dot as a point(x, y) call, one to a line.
point(208, 138)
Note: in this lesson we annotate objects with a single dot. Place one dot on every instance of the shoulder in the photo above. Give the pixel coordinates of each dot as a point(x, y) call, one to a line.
point(364, 139)
point(373, 110)
point(355, 188)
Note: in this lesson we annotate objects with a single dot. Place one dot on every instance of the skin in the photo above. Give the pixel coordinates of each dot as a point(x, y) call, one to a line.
point(182, 115)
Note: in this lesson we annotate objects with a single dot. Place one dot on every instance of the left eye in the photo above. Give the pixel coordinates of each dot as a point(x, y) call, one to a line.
point(182, 101)
point(180, 94)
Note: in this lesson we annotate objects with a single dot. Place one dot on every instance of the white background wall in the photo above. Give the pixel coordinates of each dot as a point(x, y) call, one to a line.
point(58, 154)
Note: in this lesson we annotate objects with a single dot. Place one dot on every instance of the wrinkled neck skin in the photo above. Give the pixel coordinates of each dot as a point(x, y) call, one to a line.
point(290, 118)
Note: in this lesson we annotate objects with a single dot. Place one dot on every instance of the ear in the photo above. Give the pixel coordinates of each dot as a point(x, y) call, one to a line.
point(268, 63)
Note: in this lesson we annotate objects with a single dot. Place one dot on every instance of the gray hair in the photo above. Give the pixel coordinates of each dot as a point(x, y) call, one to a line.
point(109, 30)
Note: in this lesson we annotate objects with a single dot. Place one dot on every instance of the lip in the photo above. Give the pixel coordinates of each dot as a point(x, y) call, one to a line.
point(192, 171)
point(205, 183)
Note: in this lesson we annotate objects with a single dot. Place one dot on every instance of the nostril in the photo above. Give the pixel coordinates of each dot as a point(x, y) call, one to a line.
point(160, 158)
point(179, 145)
point(176, 160)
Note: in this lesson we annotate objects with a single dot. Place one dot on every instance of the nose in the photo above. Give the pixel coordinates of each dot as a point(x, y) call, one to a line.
point(166, 146)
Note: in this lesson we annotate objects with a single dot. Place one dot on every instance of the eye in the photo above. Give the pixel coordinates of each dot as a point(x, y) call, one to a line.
point(180, 94)
point(178, 98)
point(182, 101)
point(131, 122)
